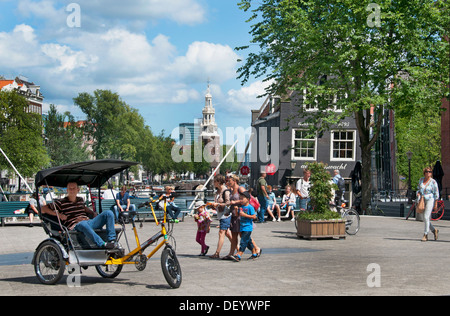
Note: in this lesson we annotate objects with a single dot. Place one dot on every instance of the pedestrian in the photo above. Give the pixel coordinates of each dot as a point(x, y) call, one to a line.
point(123, 202)
point(302, 190)
point(339, 193)
point(247, 214)
point(289, 202)
point(203, 225)
point(261, 191)
point(232, 182)
point(272, 204)
point(172, 209)
point(32, 207)
point(428, 189)
point(222, 203)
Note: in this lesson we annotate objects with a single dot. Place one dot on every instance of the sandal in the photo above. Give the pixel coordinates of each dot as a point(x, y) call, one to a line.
point(215, 256)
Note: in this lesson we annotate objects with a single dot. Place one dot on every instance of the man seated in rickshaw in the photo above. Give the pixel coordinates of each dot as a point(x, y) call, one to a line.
point(74, 214)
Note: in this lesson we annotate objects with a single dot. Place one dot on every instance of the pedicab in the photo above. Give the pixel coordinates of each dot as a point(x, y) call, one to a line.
point(70, 249)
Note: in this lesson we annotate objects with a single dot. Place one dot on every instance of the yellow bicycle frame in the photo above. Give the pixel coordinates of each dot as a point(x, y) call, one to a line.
point(140, 248)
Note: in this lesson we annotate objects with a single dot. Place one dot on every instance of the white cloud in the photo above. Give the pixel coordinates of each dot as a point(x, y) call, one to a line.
point(67, 58)
point(20, 48)
point(96, 14)
point(205, 60)
point(242, 101)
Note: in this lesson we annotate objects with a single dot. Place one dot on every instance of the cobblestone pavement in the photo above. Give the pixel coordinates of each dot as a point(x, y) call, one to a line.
point(385, 258)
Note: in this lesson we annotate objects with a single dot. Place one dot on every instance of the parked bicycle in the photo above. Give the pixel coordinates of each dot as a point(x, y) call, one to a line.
point(351, 218)
point(436, 214)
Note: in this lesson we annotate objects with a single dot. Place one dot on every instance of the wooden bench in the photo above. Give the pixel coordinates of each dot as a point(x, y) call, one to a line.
point(12, 209)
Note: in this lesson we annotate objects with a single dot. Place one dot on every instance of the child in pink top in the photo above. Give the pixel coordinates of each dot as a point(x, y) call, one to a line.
point(203, 225)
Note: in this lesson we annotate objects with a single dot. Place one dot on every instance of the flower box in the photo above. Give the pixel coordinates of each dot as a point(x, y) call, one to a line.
point(318, 229)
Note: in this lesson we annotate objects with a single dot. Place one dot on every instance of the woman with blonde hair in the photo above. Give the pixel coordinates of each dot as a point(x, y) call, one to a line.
point(428, 189)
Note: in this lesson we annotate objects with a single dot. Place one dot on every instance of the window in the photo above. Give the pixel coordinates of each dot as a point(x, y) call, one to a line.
point(304, 146)
point(343, 145)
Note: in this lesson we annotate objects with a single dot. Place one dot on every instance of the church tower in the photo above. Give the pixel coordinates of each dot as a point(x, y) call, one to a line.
point(209, 135)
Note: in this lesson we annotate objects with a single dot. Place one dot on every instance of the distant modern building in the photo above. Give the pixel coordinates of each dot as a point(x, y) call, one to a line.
point(29, 90)
point(189, 132)
point(209, 135)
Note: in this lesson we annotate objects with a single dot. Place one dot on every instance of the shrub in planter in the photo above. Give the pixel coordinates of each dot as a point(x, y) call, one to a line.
point(320, 193)
point(321, 222)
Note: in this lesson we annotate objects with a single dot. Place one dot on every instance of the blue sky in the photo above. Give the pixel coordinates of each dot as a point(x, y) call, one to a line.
point(157, 54)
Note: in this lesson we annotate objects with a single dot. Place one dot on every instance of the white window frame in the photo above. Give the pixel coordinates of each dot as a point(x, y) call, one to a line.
point(293, 157)
point(353, 158)
point(332, 107)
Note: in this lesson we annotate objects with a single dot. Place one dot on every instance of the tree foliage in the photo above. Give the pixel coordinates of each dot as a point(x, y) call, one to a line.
point(64, 138)
point(350, 55)
point(20, 135)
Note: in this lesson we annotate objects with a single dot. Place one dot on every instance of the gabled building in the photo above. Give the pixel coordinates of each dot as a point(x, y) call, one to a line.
point(29, 90)
point(282, 136)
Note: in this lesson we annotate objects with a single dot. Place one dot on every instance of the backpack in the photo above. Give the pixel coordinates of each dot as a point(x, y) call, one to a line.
point(341, 184)
point(254, 202)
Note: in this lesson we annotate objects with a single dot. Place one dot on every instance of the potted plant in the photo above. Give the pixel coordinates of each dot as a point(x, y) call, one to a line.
point(321, 222)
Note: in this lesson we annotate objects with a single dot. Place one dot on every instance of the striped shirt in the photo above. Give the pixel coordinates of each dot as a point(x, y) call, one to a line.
point(75, 212)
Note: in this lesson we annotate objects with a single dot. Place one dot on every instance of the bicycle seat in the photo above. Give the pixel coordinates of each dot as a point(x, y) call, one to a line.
point(127, 215)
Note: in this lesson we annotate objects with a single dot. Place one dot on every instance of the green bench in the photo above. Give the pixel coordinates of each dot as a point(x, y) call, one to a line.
point(12, 209)
point(143, 212)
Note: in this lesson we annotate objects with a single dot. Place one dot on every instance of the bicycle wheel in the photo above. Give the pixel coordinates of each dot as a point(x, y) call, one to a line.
point(171, 267)
point(439, 212)
point(109, 271)
point(352, 220)
point(411, 210)
point(49, 264)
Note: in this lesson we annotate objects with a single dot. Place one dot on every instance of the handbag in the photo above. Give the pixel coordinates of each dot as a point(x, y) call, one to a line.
point(420, 208)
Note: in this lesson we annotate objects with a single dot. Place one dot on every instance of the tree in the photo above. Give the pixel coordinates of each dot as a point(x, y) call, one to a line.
point(356, 55)
point(425, 145)
point(21, 135)
point(64, 138)
point(114, 126)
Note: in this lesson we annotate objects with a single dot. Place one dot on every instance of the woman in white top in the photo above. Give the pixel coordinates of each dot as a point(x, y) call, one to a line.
point(428, 189)
point(289, 202)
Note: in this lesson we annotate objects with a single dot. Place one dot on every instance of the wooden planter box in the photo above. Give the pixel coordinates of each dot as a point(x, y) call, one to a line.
point(321, 229)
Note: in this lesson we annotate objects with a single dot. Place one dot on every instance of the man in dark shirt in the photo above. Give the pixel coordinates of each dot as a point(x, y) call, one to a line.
point(75, 215)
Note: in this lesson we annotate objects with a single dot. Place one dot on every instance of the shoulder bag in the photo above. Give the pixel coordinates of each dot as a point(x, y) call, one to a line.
point(420, 208)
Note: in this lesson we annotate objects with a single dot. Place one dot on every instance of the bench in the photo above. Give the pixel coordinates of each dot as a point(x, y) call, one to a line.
point(284, 211)
point(12, 209)
point(143, 212)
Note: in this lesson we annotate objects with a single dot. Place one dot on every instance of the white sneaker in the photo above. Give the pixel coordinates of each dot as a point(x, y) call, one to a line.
point(274, 220)
point(293, 219)
point(279, 219)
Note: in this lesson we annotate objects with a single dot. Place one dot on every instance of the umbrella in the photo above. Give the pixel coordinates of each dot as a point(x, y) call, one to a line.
point(356, 178)
point(356, 175)
point(438, 174)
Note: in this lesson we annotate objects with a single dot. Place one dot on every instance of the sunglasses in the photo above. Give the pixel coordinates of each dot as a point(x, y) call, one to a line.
point(427, 172)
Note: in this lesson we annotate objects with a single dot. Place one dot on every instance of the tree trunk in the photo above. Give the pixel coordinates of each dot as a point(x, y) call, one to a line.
point(366, 183)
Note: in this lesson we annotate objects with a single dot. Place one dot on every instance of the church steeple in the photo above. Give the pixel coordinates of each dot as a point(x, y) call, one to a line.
point(209, 135)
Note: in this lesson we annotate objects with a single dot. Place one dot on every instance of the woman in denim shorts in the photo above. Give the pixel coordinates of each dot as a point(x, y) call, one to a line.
point(222, 205)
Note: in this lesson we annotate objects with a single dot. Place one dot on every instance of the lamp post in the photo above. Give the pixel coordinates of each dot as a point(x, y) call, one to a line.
point(409, 154)
point(293, 165)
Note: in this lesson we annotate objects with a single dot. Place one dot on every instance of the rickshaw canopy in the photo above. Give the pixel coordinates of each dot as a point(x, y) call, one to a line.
point(94, 173)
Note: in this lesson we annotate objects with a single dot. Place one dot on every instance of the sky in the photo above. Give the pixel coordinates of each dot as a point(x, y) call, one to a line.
point(158, 55)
